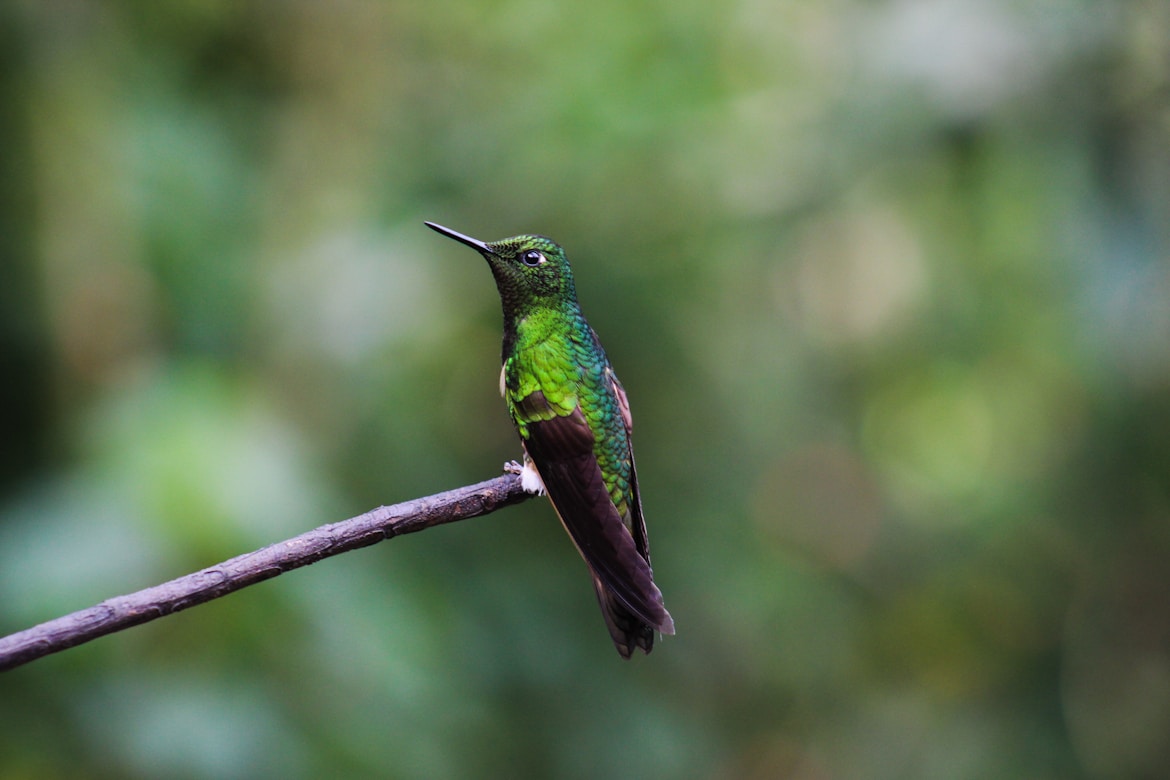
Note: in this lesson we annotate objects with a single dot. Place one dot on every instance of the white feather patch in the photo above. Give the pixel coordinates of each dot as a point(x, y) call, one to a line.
point(530, 478)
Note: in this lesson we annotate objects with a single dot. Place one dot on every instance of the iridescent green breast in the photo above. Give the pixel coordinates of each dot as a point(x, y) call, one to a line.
point(556, 377)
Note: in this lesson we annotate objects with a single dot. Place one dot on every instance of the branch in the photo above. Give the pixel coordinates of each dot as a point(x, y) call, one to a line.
point(382, 523)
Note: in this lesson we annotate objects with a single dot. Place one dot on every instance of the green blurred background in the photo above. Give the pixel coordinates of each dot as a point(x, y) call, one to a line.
point(888, 284)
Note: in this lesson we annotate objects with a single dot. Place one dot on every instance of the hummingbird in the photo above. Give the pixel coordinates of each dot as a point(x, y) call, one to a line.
point(574, 422)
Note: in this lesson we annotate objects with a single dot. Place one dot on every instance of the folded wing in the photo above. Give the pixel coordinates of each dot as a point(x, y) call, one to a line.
point(562, 449)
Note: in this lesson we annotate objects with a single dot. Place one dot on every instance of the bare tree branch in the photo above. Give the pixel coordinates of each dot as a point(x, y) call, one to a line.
point(382, 523)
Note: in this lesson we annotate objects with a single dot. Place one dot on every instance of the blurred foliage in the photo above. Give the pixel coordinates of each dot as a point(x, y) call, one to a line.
point(888, 283)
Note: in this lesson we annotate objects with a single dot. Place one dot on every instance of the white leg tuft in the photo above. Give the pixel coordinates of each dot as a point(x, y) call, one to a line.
point(530, 478)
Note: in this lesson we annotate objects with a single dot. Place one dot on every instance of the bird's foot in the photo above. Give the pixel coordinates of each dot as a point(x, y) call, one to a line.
point(529, 477)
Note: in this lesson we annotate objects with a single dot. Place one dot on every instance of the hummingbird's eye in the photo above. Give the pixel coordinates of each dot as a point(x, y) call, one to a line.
point(533, 258)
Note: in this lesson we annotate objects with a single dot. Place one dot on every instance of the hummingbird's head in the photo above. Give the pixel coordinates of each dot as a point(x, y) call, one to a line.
point(528, 269)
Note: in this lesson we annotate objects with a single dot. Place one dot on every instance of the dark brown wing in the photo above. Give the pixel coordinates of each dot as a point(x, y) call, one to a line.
point(561, 448)
point(625, 628)
point(637, 522)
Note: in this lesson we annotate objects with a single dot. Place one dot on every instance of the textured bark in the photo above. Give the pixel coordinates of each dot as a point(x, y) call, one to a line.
point(370, 528)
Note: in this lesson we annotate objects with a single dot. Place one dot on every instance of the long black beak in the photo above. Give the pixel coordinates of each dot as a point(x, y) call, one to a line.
point(474, 243)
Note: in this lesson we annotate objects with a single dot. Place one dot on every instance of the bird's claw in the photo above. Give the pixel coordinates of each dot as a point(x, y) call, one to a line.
point(529, 477)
